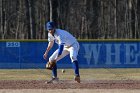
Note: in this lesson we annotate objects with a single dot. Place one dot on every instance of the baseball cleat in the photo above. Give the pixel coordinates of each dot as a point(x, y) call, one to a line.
point(77, 79)
point(53, 80)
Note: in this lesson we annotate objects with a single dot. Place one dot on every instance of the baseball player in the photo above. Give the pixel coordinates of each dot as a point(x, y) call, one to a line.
point(67, 45)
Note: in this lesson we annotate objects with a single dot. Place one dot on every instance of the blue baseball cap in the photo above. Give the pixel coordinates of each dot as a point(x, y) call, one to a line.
point(50, 25)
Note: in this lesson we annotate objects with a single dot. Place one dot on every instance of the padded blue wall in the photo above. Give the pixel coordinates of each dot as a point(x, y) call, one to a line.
point(93, 54)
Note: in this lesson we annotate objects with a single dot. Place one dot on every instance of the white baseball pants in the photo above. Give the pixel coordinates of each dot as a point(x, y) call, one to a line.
point(72, 50)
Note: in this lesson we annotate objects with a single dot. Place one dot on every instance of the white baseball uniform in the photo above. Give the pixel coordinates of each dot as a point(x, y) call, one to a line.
point(71, 46)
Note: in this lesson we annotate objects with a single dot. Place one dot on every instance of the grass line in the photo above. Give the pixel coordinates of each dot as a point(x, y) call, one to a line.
point(86, 74)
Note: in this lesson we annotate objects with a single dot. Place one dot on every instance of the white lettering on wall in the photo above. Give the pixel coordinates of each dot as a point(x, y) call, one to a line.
point(115, 53)
point(131, 55)
point(91, 49)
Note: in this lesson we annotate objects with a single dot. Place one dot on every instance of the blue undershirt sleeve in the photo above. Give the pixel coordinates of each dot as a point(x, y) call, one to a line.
point(60, 49)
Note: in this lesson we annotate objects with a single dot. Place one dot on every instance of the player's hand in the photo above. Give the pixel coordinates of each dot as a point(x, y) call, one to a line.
point(45, 56)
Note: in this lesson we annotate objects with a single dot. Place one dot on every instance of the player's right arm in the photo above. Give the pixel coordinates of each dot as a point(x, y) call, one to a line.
point(50, 45)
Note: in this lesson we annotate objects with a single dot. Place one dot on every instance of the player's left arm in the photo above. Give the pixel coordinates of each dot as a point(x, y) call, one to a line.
point(50, 65)
point(60, 49)
point(61, 40)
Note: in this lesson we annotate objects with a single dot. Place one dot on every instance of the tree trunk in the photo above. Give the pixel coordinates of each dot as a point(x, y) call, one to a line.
point(30, 19)
point(51, 10)
point(1, 18)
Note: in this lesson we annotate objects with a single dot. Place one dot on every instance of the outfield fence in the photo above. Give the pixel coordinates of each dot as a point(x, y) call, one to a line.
point(20, 54)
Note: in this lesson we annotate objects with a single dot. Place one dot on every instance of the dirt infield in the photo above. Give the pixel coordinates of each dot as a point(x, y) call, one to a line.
point(67, 84)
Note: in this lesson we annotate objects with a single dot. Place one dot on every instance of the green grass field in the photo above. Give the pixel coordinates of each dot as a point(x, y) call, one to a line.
point(86, 74)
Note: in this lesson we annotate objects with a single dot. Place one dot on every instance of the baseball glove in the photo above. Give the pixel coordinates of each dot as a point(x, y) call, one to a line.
point(50, 65)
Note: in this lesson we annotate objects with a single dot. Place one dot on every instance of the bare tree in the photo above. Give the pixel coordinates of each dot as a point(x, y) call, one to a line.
point(1, 18)
point(85, 19)
point(51, 11)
